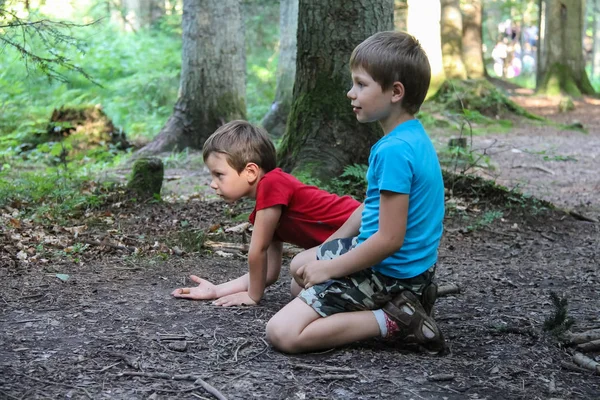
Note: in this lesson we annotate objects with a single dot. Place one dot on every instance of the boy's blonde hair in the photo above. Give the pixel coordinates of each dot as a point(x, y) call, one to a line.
point(242, 143)
point(395, 57)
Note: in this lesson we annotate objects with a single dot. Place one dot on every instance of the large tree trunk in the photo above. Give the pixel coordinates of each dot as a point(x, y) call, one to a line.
point(213, 88)
point(322, 135)
point(276, 119)
point(472, 41)
point(423, 22)
point(561, 63)
point(452, 27)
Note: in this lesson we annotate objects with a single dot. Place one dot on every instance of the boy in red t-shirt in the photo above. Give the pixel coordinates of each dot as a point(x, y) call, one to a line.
point(242, 159)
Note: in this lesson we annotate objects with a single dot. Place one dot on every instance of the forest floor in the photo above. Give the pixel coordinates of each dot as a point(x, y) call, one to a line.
point(89, 313)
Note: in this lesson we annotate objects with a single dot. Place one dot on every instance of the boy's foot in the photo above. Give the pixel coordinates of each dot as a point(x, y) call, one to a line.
point(428, 298)
point(414, 325)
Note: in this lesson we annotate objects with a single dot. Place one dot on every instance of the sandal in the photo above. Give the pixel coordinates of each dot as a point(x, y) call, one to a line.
point(428, 298)
point(414, 323)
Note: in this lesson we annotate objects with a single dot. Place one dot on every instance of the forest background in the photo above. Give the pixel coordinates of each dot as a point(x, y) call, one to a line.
point(126, 58)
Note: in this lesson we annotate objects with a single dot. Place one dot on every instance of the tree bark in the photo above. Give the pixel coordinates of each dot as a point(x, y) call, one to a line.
point(276, 119)
point(452, 27)
point(560, 58)
point(423, 22)
point(323, 135)
point(472, 40)
point(213, 88)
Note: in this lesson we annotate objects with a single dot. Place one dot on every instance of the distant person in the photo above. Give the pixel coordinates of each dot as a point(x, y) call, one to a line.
point(242, 159)
point(375, 277)
point(500, 55)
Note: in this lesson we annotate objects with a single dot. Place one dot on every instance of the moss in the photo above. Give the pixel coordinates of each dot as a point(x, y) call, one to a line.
point(478, 96)
point(559, 80)
point(146, 180)
point(326, 97)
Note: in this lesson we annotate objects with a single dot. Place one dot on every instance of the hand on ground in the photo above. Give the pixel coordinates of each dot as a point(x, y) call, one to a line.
point(235, 299)
point(204, 291)
point(313, 273)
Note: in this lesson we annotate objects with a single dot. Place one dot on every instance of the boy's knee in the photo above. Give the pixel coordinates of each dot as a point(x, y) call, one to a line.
point(279, 337)
point(295, 264)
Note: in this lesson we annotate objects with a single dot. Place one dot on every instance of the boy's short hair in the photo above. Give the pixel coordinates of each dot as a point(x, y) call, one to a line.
point(395, 57)
point(242, 143)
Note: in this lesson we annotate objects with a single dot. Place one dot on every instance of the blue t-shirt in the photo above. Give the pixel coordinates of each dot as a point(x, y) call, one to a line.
point(404, 161)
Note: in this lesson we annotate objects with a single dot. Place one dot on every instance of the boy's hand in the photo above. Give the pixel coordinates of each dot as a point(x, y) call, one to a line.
point(314, 272)
point(236, 299)
point(204, 291)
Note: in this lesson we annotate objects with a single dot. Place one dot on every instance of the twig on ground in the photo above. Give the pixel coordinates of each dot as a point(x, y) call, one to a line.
point(445, 290)
point(573, 367)
point(108, 367)
point(288, 251)
point(538, 167)
point(582, 217)
point(128, 359)
point(589, 346)
point(328, 377)
point(321, 368)
point(114, 246)
point(178, 377)
point(583, 337)
point(587, 363)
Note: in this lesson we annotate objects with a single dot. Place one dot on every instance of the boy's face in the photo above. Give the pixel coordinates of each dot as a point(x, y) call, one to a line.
point(230, 185)
point(369, 101)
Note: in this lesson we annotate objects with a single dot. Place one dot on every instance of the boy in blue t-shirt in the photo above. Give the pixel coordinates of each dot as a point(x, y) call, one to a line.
point(374, 276)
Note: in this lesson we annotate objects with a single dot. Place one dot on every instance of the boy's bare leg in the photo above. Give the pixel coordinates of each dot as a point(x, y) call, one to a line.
point(295, 289)
point(297, 327)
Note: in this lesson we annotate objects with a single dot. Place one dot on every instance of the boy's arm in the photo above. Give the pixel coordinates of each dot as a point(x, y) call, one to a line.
point(262, 252)
point(274, 261)
point(393, 213)
point(351, 227)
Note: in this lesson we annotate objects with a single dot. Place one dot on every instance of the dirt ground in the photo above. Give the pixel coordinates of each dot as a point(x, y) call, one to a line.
point(89, 314)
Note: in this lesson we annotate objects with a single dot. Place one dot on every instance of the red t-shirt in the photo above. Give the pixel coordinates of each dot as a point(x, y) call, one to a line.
point(309, 215)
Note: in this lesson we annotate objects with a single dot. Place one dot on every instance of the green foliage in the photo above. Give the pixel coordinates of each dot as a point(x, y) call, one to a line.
point(548, 155)
point(51, 195)
point(558, 322)
point(139, 73)
point(352, 182)
point(187, 239)
point(262, 42)
point(485, 220)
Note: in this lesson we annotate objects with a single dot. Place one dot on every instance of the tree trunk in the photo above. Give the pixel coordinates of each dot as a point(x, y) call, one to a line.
point(213, 88)
point(423, 22)
point(452, 28)
point(276, 119)
point(561, 62)
point(596, 41)
point(472, 41)
point(142, 13)
point(322, 135)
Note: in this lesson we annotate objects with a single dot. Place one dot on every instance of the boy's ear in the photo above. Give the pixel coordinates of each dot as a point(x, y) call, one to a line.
point(252, 171)
point(397, 92)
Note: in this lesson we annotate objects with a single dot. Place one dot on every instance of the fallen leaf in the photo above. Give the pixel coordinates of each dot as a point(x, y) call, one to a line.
point(63, 277)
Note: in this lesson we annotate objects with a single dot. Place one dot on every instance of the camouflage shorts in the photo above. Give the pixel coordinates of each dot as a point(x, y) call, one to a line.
point(363, 290)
